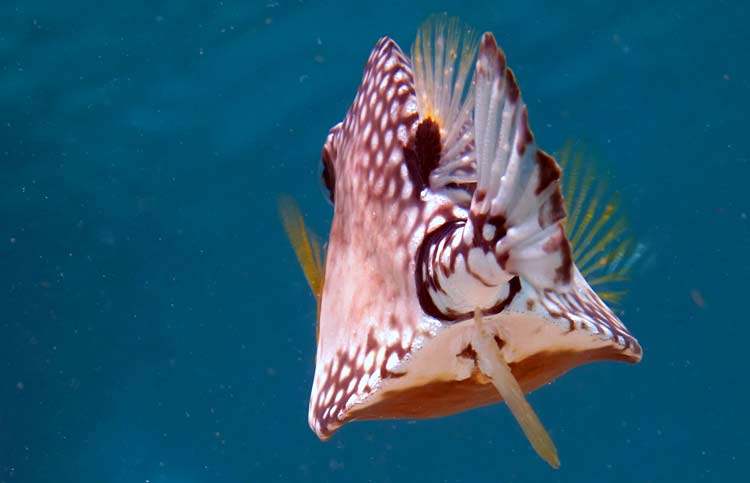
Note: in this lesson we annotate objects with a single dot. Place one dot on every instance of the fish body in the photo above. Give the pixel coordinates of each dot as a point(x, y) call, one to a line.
point(447, 263)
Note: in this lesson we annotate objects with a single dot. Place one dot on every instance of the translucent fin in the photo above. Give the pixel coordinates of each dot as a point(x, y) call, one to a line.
point(442, 58)
point(306, 247)
point(603, 247)
point(518, 189)
point(492, 364)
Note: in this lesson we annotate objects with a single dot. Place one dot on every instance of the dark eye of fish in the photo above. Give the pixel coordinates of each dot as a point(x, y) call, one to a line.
point(329, 176)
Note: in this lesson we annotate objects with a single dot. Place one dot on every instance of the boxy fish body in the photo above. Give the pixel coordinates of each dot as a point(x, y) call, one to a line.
point(449, 282)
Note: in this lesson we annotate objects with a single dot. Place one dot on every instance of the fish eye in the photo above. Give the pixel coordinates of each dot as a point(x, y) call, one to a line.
point(329, 176)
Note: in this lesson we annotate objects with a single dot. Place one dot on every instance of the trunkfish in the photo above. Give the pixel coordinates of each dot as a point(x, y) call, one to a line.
point(451, 279)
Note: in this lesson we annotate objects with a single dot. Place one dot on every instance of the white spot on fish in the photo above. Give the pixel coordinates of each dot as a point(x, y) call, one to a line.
point(435, 222)
point(406, 190)
point(369, 360)
point(345, 371)
point(388, 138)
point(374, 141)
point(380, 357)
point(362, 384)
point(488, 231)
point(392, 362)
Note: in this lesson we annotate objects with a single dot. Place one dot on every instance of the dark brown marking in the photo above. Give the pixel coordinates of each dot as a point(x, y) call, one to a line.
point(372, 342)
point(479, 220)
point(500, 342)
point(548, 171)
point(468, 353)
point(412, 167)
point(425, 281)
point(557, 208)
point(499, 222)
point(526, 135)
point(503, 259)
point(512, 86)
point(563, 272)
point(514, 286)
point(329, 176)
point(530, 304)
point(427, 147)
point(424, 260)
point(500, 58)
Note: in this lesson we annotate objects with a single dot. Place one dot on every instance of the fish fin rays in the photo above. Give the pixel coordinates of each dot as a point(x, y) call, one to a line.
point(518, 189)
point(442, 59)
point(603, 248)
point(306, 248)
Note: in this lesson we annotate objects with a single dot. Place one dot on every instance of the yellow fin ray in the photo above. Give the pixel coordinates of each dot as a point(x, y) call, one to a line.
point(306, 247)
point(585, 251)
point(607, 257)
point(574, 195)
point(613, 296)
point(603, 248)
point(592, 208)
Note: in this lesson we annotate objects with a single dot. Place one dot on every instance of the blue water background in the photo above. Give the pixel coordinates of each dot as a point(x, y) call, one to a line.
point(154, 326)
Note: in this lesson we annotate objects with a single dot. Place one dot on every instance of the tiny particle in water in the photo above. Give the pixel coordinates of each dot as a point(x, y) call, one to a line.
point(20, 385)
point(697, 298)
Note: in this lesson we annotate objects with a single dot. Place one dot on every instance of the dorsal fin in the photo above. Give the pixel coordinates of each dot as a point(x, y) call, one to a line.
point(442, 59)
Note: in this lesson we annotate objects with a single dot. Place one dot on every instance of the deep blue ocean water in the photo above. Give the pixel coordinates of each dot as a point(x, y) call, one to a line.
point(154, 325)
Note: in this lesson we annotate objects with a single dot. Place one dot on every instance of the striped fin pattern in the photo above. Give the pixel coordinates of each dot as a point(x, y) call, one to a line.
point(517, 206)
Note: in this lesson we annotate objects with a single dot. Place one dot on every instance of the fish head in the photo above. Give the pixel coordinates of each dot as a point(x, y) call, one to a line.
point(370, 315)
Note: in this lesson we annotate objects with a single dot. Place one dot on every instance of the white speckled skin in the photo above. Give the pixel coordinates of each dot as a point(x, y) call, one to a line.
point(369, 313)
